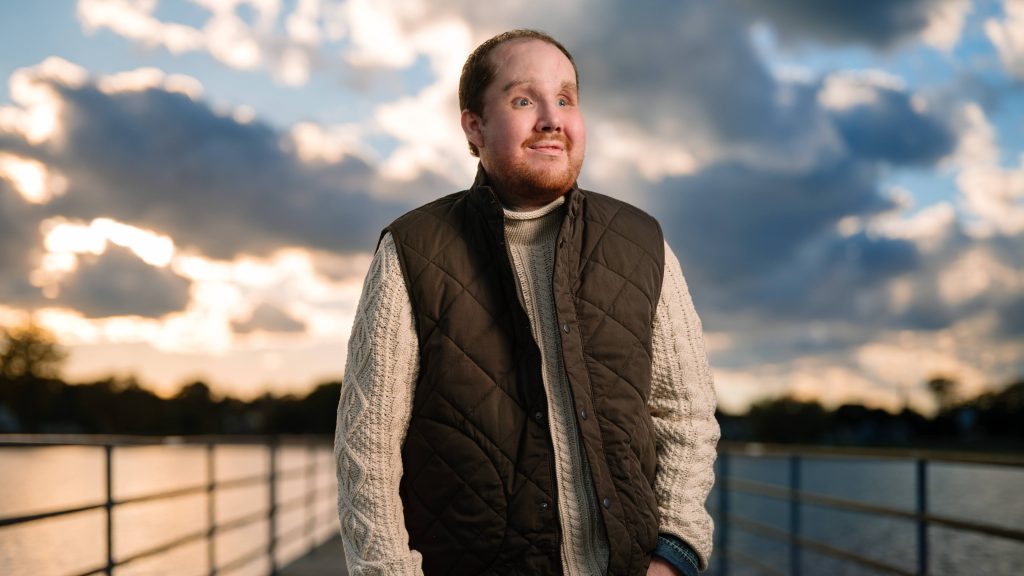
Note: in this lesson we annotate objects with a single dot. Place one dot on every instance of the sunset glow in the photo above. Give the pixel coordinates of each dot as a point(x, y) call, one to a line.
point(196, 189)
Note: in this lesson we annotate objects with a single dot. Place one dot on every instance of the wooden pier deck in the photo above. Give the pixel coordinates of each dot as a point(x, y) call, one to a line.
point(324, 560)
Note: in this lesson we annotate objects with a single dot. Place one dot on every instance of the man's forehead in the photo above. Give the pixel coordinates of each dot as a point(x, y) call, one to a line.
point(518, 72)
point(501, 50)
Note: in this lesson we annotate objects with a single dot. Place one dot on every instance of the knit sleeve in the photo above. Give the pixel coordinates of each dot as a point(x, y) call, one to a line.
point(682, 404)
point(373, 417)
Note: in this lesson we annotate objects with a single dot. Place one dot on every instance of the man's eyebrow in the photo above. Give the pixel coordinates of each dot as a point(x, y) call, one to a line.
point(566, 86)
point(513, 84)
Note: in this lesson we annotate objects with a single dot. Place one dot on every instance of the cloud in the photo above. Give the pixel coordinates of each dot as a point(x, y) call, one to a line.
point(135, 20)
point(693, 78)
point(20, 246)
point(146, 165)
point(877, 23)
point(269, 318)
point(770, 187)
point(992, 192)
point(732, 222)
point(119, 283)
point(151, 154)
point(966, 351)
point(1011, 318)
point(789, 242)
point(32, 179)
point(757, 220)
point(1008, 37)
point(770, 238)
point(881, 121)
point(289, 54)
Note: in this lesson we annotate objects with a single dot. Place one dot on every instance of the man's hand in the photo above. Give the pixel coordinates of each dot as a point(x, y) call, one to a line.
point(660, 567)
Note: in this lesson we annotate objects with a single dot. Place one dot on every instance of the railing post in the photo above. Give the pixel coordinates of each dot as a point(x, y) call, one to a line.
point(272, 541)
point(211, 511)
point(922, 512)
point(794, 514)
point(311, 494)
point(723, 514)
point(108, 450)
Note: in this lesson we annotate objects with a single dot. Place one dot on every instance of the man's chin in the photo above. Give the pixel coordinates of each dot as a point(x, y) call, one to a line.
point(552, 178)
point(547, 187)
point(537, 185)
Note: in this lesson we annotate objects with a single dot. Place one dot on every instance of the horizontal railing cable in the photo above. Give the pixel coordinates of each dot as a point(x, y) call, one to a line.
point(761, 489)
point(793, 494)
point(783, 536)
point(761, 450)
point(305, 500)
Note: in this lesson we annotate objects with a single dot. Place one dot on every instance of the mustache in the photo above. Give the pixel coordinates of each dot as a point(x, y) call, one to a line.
point(548, 138)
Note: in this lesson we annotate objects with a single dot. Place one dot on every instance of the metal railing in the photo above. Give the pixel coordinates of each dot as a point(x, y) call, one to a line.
point(794, 537)
point(728, 519)
point(307, 500)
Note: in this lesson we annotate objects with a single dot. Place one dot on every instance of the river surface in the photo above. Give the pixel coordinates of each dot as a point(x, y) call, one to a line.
point(42, 479)
point(981, 493)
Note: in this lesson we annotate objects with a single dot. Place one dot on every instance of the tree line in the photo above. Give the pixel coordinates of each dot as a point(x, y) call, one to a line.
point(992, 421)
point(35, 399)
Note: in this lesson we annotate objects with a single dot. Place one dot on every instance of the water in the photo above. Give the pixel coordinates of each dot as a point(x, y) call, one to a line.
point(981, 493)
point(50, 478)
point(41, 479)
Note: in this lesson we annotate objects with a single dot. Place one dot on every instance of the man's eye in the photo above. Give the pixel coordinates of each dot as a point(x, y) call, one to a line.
point(520, 102)
point(563, 102)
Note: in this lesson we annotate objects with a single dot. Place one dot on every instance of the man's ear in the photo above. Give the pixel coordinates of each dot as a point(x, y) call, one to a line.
point(472, 125)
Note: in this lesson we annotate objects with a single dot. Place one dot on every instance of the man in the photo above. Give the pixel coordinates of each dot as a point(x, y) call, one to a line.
point(527, 390)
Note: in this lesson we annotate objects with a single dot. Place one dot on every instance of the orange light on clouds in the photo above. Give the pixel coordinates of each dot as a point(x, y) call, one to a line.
point(39, 117)
point(62, 236)
point(33, 180)
point(65, 240)
point(222, 292)
point(142, 79)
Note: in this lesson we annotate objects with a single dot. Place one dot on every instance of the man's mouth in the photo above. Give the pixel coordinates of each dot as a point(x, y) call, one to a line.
point(548, 147)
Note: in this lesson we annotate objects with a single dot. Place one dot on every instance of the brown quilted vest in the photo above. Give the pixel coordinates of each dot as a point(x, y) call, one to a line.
point(478, 487)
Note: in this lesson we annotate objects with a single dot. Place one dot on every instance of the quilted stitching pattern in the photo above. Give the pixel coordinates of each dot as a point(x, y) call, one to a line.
point(617, 274)
point(472, 456)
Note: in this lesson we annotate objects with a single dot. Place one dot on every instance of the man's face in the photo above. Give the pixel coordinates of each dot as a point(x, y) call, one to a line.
point(531, 136)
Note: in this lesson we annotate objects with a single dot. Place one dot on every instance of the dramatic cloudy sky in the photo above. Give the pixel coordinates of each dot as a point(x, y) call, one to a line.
point(193, 188)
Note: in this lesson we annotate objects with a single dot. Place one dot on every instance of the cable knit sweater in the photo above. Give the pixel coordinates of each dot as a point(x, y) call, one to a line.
point(379, 384)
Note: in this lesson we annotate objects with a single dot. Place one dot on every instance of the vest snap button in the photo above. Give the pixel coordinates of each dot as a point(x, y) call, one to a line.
point(583, 414)
point(538, 415)
point(543, 505)
point(565, 328)
point(606, 502)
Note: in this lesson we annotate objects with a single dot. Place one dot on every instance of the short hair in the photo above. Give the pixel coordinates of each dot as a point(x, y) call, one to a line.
point(478, 71)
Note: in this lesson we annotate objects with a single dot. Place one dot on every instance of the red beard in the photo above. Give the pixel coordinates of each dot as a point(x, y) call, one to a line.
point(522, 182)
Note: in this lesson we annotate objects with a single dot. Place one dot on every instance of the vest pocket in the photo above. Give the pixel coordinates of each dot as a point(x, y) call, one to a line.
point(645, 504)
point(455, 501)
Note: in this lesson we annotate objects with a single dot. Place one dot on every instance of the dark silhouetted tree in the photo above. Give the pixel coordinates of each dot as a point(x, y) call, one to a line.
point(197, 410)
point(946, 391)
point(788, 420)
point(29, 351)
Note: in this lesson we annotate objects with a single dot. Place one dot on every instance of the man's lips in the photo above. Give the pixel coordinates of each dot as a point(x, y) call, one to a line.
point(547, 147)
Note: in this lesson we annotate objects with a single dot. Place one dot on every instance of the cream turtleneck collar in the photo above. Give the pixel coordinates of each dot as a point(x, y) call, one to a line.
point(534, 226)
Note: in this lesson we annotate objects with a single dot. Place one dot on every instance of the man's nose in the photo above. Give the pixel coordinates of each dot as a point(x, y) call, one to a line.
point(550, 118)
